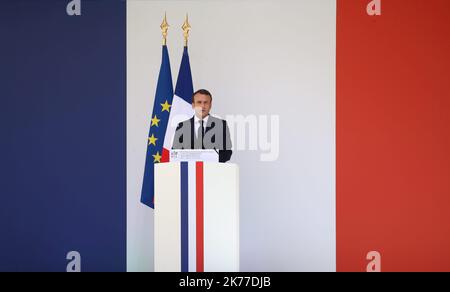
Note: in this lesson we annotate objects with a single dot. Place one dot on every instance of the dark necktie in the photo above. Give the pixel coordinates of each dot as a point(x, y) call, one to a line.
point(201, 133)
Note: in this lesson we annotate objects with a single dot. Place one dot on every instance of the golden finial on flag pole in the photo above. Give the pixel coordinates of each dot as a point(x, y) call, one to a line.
point(186, 27)
point(164, 29)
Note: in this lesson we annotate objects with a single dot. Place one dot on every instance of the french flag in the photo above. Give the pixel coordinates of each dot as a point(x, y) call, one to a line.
point(182, 103)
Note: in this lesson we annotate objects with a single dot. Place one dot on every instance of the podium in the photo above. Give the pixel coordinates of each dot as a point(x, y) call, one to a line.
point(196, 221)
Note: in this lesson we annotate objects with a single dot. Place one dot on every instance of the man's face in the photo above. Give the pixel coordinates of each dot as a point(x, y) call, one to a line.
point(202, 105)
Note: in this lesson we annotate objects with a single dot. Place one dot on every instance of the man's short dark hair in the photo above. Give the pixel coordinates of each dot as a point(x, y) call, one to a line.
point(202, 91)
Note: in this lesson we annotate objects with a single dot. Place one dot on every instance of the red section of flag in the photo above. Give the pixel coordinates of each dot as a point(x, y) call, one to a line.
point(199, 216)
point(165, 157)
point(393, 135)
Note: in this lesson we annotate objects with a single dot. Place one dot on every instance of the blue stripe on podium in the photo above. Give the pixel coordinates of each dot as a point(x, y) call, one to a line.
point(184, 218)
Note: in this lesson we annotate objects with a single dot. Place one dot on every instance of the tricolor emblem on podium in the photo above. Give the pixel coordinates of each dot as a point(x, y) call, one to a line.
point(197, 217)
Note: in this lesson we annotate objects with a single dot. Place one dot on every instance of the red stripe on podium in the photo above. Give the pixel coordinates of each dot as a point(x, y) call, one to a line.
point(199, 215)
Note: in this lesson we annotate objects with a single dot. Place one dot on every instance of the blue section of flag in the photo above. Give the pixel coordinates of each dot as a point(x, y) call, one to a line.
point(185, 87)
point(158, 125)
point(184, 218)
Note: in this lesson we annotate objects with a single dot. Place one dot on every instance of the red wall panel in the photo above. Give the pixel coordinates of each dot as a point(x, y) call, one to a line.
point(393, 135)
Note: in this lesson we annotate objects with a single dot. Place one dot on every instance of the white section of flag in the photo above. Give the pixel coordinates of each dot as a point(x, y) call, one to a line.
point(179, 112)
point(192, 218)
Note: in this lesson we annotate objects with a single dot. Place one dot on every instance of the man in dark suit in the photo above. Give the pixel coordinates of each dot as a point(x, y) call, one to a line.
point(203, 131)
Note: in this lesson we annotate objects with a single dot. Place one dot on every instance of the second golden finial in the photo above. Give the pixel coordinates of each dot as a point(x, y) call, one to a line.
point(186, 27)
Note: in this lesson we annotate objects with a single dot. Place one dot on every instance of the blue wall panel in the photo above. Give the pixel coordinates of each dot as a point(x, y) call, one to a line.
point(63, 139)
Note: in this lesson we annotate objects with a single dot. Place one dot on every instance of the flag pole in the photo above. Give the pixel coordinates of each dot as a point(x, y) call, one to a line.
point(186, 27)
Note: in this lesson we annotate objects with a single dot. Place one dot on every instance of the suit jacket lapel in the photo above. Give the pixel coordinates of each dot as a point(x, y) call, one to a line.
point(209, 124)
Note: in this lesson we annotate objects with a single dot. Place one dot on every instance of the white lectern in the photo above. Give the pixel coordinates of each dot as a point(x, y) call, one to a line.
point(196, 217)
